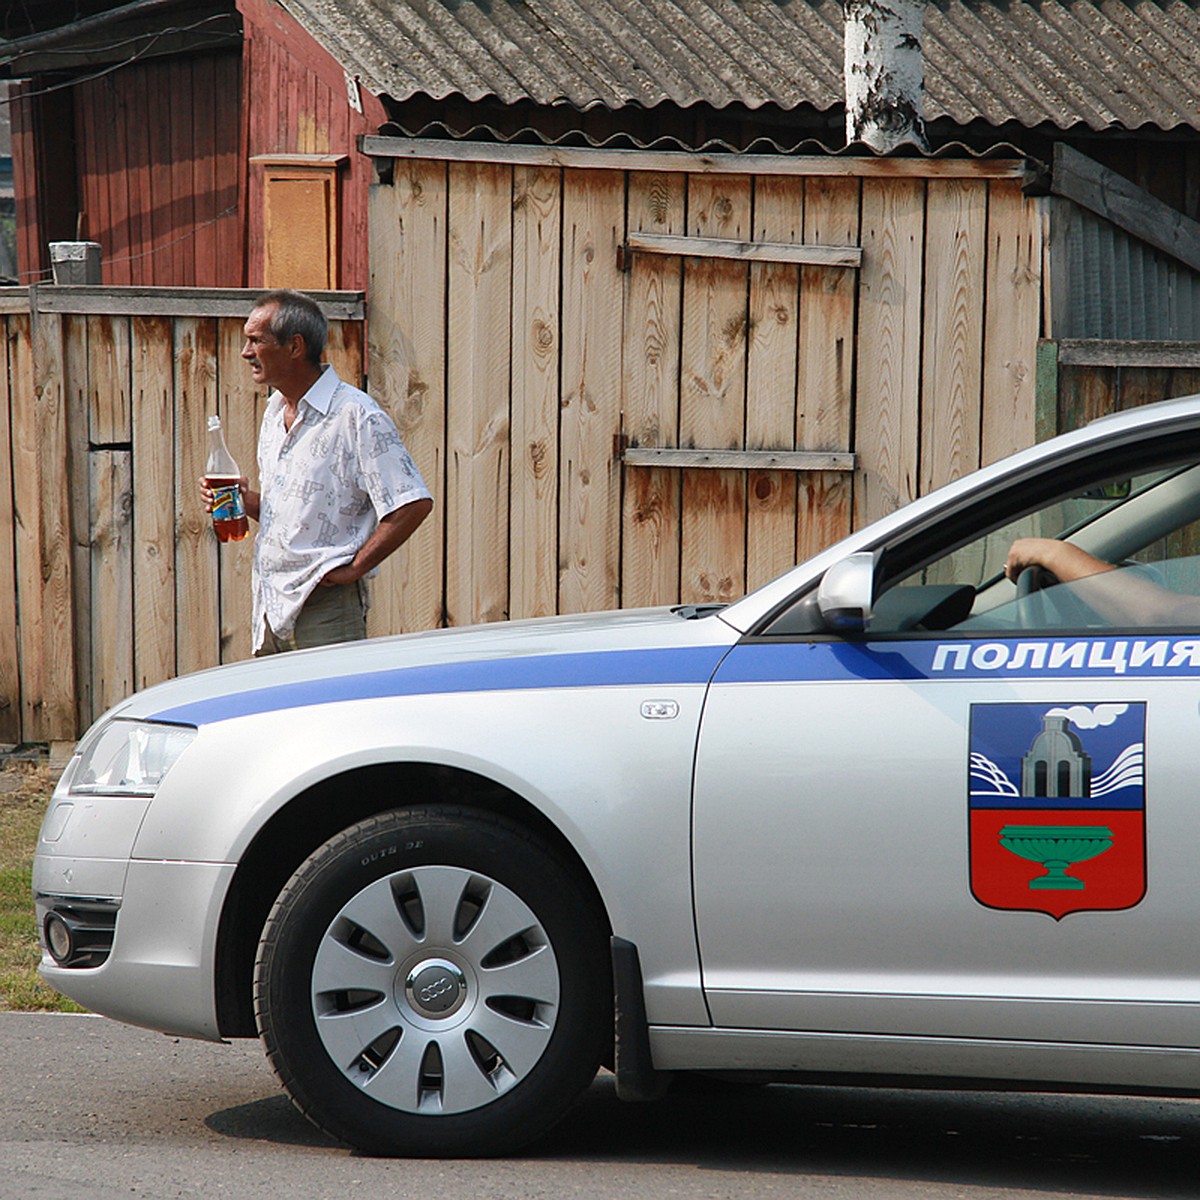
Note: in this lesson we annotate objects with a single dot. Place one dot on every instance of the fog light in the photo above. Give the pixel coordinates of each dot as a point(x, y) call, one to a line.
point(59, 940)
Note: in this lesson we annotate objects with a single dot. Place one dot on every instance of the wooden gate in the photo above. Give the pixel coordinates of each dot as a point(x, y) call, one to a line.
point(640, 378)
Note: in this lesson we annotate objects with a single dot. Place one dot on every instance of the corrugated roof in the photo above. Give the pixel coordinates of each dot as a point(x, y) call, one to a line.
point(1099, 63)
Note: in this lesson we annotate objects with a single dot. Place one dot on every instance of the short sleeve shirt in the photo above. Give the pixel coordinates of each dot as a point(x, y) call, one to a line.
point(324, 484)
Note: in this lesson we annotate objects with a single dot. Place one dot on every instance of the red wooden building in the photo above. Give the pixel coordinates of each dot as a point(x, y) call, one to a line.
point(205, 144)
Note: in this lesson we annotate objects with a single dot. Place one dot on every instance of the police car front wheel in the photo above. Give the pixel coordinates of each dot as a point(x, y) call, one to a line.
point(434, 981)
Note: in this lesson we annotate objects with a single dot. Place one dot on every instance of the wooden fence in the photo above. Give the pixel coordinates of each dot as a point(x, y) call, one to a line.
point(607, 415)
point(641, 378)
point(629, 378)
point(1088, 378)
point(110, 576)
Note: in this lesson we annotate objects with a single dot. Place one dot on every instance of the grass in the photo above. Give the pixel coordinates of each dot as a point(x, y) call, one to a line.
point(25, 788)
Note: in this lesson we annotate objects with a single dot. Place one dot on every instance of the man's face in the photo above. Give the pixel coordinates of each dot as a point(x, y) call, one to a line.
point(269, 361)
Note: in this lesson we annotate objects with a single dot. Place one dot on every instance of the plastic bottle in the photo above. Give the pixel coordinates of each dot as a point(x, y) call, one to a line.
point(229, 510)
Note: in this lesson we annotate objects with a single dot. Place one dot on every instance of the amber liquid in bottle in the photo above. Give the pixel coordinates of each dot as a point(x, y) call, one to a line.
point(230, 522)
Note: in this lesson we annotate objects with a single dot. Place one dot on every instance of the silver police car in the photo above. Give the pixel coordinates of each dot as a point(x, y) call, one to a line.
point(924, 808)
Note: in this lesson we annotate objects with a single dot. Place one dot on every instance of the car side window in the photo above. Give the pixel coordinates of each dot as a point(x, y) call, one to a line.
point(1134, 562)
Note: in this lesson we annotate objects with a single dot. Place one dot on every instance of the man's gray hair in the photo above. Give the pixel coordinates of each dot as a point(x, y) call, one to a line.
point(296, 313)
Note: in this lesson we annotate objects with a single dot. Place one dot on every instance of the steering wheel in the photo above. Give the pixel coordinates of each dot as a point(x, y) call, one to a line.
point(1061, 610)
point(1033, 579)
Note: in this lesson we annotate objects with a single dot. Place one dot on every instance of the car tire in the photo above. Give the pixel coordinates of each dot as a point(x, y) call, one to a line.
point(434, 982)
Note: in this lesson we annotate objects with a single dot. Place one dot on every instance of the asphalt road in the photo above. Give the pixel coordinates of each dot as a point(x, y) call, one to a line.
point(93, 1110)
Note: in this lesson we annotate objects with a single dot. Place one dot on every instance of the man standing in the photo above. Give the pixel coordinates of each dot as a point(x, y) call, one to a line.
point(339, 490)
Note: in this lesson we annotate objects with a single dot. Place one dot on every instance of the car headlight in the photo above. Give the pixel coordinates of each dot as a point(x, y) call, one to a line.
point(128, 758)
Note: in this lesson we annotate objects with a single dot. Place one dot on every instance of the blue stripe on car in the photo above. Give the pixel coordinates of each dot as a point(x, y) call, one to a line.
point(753, 662)
point(605, 668)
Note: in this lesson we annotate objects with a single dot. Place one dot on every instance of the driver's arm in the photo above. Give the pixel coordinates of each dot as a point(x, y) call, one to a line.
point(1122, 597)
point(1063, 560)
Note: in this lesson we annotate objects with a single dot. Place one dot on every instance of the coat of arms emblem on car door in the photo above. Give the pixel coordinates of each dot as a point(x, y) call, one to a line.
point(1057, 804)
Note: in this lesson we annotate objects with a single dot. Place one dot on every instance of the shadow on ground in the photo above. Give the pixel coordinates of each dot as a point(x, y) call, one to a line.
point(1098, 1145)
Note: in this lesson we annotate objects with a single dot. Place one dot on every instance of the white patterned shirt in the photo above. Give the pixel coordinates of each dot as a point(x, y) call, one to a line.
point(324, 486)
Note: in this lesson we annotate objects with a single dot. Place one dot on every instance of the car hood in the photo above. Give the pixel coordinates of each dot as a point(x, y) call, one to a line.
point(636, 646)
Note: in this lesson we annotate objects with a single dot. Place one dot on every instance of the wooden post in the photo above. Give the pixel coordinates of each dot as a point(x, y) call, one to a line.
point(196, 586)
point(653, 310)
point(889, 347)
point(825, 367)
point(480, 333)
point(589, 486)
point(1013, 321)
point(153, 441)
point(713, 393)
point(57, 612)
point(10, 676)
point(952, 385)
point(771, 381)
point(537, 260)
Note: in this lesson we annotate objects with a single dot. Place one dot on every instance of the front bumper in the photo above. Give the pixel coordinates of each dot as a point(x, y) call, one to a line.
point(159, 973)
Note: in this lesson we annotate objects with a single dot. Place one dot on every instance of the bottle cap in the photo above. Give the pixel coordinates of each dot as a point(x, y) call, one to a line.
point(214, 422)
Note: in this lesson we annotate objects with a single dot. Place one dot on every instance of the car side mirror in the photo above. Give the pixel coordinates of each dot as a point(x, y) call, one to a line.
point(847, 592)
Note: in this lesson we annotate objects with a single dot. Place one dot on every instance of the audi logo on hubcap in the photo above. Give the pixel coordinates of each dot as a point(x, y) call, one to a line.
point(435, 988)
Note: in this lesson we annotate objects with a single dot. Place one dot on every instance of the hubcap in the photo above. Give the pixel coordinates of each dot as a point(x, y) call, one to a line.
point(435, 990)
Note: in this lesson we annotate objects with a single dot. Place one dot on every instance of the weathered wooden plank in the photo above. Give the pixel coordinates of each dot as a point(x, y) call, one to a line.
point(108, 374)
point(138, 103)
point(159, 85)
point(1012, 321)
point(1095, 352)
point(92, 149)
point(1138, 386)
point(153, 473)
point(951, 391)
point(78, 399)
point(408, 366)
point(112, 576)
point(204, 178)
point(10, 661)
point(825, 369)
point(177, 302)
point(537, 257)
point(13, 300)
point(27, 506)
point(343, 351)
point(231, 151)
point(889, 352)
point(713, 393)
point(197, 602)
point(1046, 418)
point(184, 214)
point(31, 250)
point(59, 718)
point(477, 400)
point(590, 504)
point(1129, 207)
point(697, 164)
point(740, 460)
point(650, 403)
point(114, 135)
point(1182, 381)
point(1085, 394)
point(771, 377)
point(759, 251)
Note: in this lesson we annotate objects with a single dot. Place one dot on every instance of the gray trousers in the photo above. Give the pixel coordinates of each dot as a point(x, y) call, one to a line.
point(329, 615)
